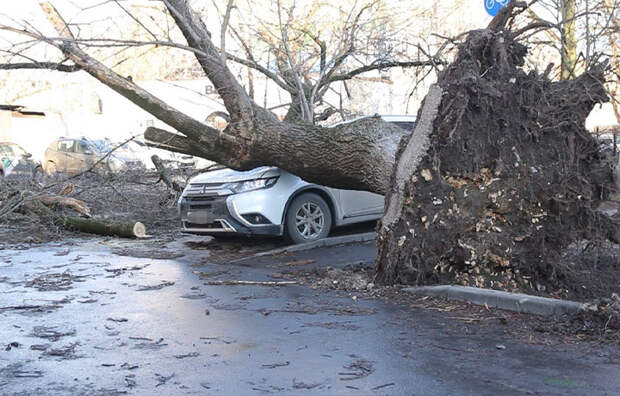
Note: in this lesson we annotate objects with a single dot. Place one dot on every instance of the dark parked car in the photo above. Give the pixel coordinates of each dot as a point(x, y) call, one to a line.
point(17, 162)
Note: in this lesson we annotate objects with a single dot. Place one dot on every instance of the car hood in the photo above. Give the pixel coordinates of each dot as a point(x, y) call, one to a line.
point(230, 175)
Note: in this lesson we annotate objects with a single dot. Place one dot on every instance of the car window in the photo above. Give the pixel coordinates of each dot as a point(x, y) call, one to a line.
point(82, 147)
point(408, 125)
point(66, 146)
point(12, 150)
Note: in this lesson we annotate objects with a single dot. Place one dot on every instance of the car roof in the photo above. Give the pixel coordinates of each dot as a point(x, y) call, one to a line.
point(385, 117)
point(398, 117)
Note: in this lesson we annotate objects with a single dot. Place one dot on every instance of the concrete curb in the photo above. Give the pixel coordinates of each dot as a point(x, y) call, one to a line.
point(499, 299)
point(333, 241)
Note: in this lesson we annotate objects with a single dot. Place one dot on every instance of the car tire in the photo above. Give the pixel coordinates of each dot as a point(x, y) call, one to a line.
point(308, 219)
point(50, 168)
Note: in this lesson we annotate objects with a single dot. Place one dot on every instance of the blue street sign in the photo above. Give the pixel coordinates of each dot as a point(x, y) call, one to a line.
point(493, 6)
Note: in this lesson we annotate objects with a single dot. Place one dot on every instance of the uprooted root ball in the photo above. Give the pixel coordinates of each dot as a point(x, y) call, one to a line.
point(511, 181)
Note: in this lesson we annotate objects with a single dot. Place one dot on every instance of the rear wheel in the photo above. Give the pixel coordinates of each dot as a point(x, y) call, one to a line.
point(308, 219)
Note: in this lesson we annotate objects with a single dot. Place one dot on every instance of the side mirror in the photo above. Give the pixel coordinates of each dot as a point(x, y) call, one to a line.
point(27, 155)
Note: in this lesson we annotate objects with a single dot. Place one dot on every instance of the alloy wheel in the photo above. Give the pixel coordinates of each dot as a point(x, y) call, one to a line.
point(309, 220)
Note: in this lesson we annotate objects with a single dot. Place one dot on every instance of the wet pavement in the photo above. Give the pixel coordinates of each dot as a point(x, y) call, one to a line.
point(89, 317)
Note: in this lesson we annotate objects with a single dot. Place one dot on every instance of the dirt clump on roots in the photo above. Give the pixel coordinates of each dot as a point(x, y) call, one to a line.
point(506, 197)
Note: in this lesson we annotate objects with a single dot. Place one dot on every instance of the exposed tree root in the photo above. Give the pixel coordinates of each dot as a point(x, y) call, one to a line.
point(511, 181)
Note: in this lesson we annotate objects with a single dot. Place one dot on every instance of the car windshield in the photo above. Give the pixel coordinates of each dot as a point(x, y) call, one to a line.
point(12, 150)
point(101, 146)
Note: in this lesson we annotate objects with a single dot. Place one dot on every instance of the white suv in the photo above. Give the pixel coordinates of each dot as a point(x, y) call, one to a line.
point(271, 201)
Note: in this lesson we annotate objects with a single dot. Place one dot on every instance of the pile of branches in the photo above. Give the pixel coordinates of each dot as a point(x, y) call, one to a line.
point(600, 318)
point(511, 182)
point(101, 203)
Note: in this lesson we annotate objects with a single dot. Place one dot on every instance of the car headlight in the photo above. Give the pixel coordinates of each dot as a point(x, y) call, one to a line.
point(251, 185)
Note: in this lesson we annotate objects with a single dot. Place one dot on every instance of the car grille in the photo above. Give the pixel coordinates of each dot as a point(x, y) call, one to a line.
point(199, 188)
point(201, 202)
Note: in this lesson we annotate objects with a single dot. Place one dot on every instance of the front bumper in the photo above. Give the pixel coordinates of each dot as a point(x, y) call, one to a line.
point(217, 215)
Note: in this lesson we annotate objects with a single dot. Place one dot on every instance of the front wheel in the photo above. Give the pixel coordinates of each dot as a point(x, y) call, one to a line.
point(308, 219)
point(50, 168)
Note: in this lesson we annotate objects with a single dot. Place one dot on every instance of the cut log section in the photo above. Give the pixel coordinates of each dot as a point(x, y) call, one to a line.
point(100, 227)
point(91, 226)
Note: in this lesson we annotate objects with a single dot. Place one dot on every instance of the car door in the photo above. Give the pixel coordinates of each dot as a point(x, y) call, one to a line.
point(6, 159)
point(360, 203)
point(83, 156)
point(62, 157)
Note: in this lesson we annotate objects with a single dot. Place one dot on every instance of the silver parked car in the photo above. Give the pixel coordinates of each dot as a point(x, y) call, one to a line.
point(271, 201)
point(15, 162)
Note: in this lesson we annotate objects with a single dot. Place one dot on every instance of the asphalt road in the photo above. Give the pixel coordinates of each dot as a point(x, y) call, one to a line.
point(79, 319)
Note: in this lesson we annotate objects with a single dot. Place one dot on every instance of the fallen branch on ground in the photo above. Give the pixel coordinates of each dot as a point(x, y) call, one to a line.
point(91, 226)
point(56, 200)
point(164, 176)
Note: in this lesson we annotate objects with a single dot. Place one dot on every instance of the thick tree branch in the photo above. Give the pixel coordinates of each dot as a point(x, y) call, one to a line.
point(40, 65)
point(237, 102)
point(162, 139)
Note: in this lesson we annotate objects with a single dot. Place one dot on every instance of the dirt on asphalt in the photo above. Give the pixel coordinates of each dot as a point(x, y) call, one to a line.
point(356, 281)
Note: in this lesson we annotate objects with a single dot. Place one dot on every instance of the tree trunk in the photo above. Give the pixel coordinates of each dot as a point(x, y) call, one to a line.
point(499, 177)
point(569, 44)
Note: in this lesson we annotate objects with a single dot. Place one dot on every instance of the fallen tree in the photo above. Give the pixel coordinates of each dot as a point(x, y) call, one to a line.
point(498, 179)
